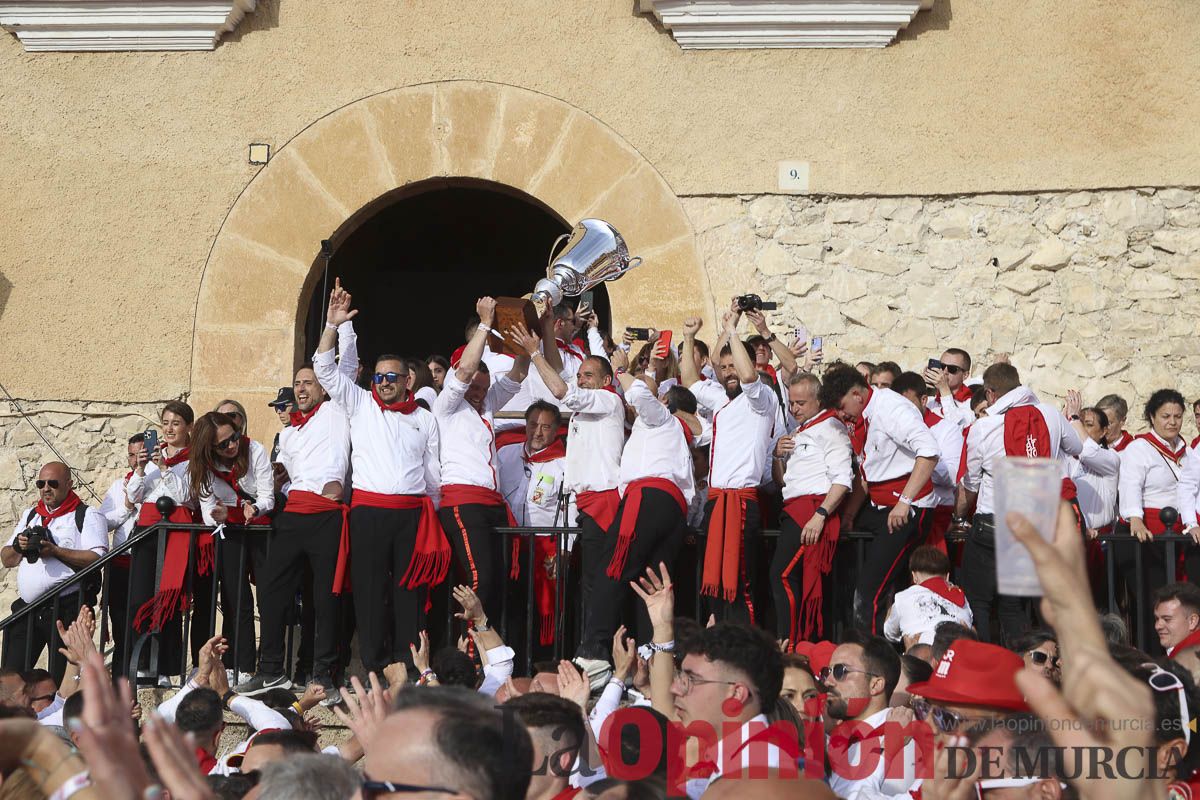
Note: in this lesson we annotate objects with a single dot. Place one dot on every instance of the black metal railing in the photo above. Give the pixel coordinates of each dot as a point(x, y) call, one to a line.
point(567, 607)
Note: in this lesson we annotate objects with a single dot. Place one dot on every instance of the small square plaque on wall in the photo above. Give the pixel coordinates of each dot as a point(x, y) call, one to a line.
point(793, 176)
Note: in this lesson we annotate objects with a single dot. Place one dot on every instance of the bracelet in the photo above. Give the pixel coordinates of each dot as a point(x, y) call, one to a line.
point(770, 338)
point(299, 708)
point(331, 326)
point(426, 674)
point(484, 328)
point(906, 499)
point(72, 785)
point(662, 647)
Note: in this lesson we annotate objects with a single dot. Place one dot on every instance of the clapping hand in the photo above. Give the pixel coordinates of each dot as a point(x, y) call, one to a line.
point(1073, 404)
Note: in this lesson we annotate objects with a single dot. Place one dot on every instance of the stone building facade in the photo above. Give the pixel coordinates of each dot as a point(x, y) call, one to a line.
point(998, 178)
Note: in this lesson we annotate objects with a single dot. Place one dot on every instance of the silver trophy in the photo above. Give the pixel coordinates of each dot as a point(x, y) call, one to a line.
point(594, 253)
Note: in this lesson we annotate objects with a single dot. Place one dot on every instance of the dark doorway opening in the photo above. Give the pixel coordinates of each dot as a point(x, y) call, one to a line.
point(416, 264)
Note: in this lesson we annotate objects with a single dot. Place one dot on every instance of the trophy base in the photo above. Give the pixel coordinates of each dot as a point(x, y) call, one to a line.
point(512, 311)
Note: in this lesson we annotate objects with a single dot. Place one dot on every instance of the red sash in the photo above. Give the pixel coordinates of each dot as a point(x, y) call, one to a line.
point(946, 590)
point(1174, 456)
point(723, 551)
point(1153, 521)
point(633, 504)
point(1195, 442)
point(464, 494)
point(68, 505)
point(600, 506)
point(887, 493)
point(431, 556)
point(406, 406)
point(302, 502)
point(155, 612)
point(817, 564)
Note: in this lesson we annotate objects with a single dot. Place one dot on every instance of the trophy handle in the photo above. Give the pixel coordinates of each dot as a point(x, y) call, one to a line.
point(554, 247)
point(633, 262)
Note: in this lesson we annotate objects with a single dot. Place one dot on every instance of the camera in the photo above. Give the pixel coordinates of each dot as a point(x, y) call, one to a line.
point(34, 537)
point(752, 302)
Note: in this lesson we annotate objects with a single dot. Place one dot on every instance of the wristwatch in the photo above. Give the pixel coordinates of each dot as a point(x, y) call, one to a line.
point(822, 512)
point(1074, 418)
point(770, 338)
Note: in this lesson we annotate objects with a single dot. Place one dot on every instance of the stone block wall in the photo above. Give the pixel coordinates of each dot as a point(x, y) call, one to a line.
point(1086, 290)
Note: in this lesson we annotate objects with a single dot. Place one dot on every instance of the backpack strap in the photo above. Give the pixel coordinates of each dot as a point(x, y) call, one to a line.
point(32, 514)
point(80, 514)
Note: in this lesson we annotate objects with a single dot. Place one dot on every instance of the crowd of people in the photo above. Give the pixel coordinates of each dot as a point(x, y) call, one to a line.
point(384, 484)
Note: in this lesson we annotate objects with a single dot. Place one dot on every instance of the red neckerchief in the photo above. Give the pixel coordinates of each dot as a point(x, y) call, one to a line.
point(1123, 442)
point(962, 393)
point(69, 504)
point(566, 348)
point(931, 418)
point(858, 428)
point(1174, 455)
point(1026, 433)
point(828, 413)
point(688, 436)
point(1191, 640)
point(205, 760)
point(557, 449)
point(178, 458)
point(299, 418)
point(406, 406)
point(610, 388)
point(1194, 442)
point(231, 477)
point(128, 475)
point(944, 589)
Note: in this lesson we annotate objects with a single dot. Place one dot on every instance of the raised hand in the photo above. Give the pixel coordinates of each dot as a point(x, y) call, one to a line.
point(339, 305)
point(759, 322)
point(624, 653)
point(420, 654)
point(485, 307)
point(1074, 403)
point(396, 674)
point(314, 693)
point(573, 686)
point(658, 594)
point(472, 607)
point(106, 735)
point(365, 711)
point(619, 359)
point(521, 336)
point(692, 326)
point(174, 761)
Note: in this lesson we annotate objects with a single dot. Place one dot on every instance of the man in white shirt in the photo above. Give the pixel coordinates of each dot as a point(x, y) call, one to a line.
point(813, 464)
point(398, 549)
point(472, 506)
point(121, 515)
point(1017, 424)
point(897, 459)
point(73, 536)
point(315, 453)
point(952, 398)
point(949, 437)
point(744, 410)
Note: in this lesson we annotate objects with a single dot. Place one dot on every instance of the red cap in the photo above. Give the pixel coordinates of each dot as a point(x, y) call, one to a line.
point(975, 674)
point(817, 653)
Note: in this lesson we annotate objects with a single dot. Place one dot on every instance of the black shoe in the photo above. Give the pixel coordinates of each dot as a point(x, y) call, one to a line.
point(261, 684)
point(333, 695)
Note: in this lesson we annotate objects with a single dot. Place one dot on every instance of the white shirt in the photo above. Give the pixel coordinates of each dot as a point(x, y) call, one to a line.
point(820, 459)
point(957, 412)
point(532, 489)
point(258, 481)
point(391, 453)
point(120, 520)
point(877, 784)
point(1189, 488)
point(917, 611)
point(949, 438)
point(426, 393)
point(38, 578)
point(896, 436)
point(1095, 472)
point(468, 441)
point(155, 484)
point(319, 452)
point(657, 447)
point(742, 432)
point(753, 757)
point(985, 443)
point(1148, 478)
point(569, 372)
point(595, 438)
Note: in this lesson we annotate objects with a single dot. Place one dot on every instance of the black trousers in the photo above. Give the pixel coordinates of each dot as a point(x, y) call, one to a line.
point(119, 614)
point(978, 577)
point(787, 579)
point(388, 615)
point(479, 551)
point(885, 563)
point(591, 550)
point(741, 608)
point(297, 540)
point(143, 568)
point(240, 552)
point(37, 632)
point(658, 532)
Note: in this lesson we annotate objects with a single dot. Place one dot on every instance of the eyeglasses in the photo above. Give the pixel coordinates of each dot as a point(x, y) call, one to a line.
point(389, 377)
point(688, 679)
point(840, 671)
point(372, 789)
point(53, 484)
point(947, 721)
point(1162, 681)
point(953, 369)
point(1040, 658)
point(232, 440)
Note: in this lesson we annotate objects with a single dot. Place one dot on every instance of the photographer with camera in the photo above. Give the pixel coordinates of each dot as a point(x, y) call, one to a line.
point(52, 540)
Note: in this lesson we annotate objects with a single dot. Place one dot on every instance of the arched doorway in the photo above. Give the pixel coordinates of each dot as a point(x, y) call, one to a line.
point(264, 266)
point(419, 257)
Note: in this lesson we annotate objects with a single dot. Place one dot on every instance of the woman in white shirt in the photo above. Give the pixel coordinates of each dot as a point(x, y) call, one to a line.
point(159, 473)
point(231, 477)
point(1150, 469)
point(1095, 470)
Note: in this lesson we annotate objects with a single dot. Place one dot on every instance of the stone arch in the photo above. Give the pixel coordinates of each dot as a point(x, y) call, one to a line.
point(265, 259)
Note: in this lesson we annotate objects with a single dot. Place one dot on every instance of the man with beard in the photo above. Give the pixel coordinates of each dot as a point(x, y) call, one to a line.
point(859, 680)
point(744, 411)
point(315, 453)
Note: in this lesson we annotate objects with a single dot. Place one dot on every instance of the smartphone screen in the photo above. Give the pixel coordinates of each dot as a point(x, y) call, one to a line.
point(935, 364)
point(585, 301)
point(817, 342)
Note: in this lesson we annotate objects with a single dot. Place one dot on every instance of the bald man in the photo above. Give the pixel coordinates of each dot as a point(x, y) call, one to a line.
point(78, 535)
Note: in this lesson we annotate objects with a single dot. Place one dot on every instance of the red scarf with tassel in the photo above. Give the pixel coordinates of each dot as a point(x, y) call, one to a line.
point(431, 556)
point(723, 551)
point(545, 548)
point(807, 623)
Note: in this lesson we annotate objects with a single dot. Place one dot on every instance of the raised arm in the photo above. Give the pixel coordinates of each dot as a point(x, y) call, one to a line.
point(532, 346)
point(335, 381)
point(550, 341)
point(687, 358)
point(468, 365)
point(787, 361)
point(742, 362)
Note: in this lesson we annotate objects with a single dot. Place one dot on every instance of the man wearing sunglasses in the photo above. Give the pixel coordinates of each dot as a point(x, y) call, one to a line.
point(859, 681)
point(952, 395)
point(77, 536)
point(974, 683)
point(397, 546)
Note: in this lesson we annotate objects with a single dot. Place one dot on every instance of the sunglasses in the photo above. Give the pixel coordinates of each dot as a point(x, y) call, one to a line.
point(372, 789)
point(53, 484)
point(953, 369)
point(1162, 681)
point(389, 377)
point(840, 671)
point(232, 440)
point(944, 719)
point(1040, 658)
